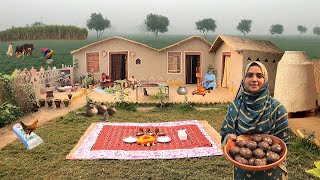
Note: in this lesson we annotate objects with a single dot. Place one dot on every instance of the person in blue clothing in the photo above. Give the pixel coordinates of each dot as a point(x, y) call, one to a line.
point(47, 53)
point(210, 80)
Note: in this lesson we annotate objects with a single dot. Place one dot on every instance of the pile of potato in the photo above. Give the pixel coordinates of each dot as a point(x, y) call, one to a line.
point(257, 151)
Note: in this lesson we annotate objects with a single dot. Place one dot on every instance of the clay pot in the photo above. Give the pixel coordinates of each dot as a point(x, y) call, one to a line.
point(182, 90)
point(57, 102)
point(101, 109)
point(66, 102)
point(49, 102)
point(42, 102)
point(111, 110)
point(91, 110)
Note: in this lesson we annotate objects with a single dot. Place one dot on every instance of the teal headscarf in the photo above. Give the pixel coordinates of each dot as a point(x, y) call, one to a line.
point(253, 112)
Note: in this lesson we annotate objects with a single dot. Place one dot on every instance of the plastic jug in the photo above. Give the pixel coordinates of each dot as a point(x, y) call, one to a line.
point(182, 134)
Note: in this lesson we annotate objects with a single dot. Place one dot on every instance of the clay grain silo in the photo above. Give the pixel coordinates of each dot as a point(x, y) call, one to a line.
point(295, 84)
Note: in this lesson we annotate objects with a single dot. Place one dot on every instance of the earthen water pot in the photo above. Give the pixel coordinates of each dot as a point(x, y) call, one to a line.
point(101, 109)
point(91, 110)
point(111, 110)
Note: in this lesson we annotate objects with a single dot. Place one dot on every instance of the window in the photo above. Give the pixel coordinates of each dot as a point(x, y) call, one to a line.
point(174, 62)
point(93, 62)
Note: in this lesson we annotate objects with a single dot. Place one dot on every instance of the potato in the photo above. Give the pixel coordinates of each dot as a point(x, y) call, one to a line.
point(263, 145)
point(245, 153)
point(259, 153)
point(242, 160)
point(257, 138)
point(235, 150)
point(268, 140)
point(272, 157)
point(252, 145)
point(260, 162)
point(241, 143)
point(251, 161)
point(276, 148)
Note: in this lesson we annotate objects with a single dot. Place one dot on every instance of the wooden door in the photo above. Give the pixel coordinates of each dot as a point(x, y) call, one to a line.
point(192, 62)
point(118, 67)
point(93, 62)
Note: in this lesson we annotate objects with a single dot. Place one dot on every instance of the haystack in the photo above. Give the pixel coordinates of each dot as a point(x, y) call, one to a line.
point(295, 85)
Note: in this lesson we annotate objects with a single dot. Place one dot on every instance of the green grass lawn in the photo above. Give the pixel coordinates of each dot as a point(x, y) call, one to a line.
point(62, 48)
point(60, 135)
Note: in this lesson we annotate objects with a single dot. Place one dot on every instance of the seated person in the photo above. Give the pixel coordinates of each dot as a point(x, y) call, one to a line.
point(64, 80)
point(210, 80)
point(132, 82)
point(103, 80)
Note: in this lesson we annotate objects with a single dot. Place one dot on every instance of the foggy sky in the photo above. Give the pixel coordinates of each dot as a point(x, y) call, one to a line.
point(126, 15)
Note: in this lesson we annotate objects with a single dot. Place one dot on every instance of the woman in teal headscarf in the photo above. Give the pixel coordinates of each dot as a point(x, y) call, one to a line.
point(254, 111)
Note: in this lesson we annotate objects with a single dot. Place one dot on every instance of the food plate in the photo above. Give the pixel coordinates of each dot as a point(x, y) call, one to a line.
point(139, 133)
point(163, 139)
point(130, 139)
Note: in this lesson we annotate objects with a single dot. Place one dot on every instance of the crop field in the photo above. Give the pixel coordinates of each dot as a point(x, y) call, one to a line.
point(62, 48)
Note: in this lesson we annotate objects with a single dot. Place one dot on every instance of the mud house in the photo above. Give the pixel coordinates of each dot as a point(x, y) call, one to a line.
point(121, 58)
point(232, 54)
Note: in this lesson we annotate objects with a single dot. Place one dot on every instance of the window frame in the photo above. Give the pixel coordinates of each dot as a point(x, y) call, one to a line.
point(178, 66)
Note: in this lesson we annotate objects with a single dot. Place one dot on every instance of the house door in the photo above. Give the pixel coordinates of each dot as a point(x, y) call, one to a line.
point(192, 62)
point(118, 66)
point(226, 72)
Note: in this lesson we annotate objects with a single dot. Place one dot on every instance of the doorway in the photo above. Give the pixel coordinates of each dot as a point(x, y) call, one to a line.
point(192, 62)
point(226, 65)
point(118, 66)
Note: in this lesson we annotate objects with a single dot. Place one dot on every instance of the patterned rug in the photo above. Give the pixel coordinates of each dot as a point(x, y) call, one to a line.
point(105, 141)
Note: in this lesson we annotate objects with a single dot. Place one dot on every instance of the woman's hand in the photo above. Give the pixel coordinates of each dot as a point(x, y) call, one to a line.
point(232, 137)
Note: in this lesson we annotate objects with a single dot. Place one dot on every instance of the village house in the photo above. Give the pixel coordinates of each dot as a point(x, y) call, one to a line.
point(121, 58)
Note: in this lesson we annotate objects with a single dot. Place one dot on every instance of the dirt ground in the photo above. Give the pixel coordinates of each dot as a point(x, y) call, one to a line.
point(78, 100)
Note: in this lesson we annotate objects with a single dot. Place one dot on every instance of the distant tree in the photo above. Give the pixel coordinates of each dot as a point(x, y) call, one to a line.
point(276, 29)
point(98, 23)
point(244, 26)
point(316, 31)
point(206, 25)
point(37, 24)
point(302, 29)
point(157, 23)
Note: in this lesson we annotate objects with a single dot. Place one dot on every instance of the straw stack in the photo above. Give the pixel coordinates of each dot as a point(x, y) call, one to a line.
point(295, 84)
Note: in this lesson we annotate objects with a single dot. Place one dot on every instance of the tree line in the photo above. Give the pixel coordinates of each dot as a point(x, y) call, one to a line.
point(159, 24)
point(41, 31)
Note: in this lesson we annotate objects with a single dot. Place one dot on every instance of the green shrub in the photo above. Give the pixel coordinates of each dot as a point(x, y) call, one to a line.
point(185, 107)
point(9, 113)
point(126, 106)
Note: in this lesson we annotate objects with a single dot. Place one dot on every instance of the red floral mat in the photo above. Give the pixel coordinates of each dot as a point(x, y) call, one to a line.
point(111, 138)
point(105, 141)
